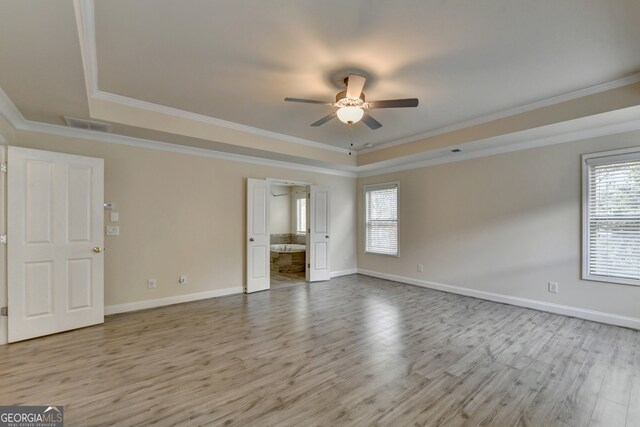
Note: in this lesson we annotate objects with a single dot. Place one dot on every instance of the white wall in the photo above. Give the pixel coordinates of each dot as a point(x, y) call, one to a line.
point(185, 214)
point(280, 210)
point(505, 224)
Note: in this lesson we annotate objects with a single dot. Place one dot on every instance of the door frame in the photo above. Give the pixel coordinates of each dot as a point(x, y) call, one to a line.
point(4, 290)
point(288, 183)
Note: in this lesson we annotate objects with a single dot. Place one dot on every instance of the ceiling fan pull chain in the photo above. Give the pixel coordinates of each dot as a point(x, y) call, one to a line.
point(350, 137)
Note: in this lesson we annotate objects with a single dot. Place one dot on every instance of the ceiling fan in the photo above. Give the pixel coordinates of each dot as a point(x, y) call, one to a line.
point(351, 104)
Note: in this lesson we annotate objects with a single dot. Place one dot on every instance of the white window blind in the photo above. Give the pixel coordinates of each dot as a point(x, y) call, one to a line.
point(381, 219)
point(612, 222)
point(301, 214)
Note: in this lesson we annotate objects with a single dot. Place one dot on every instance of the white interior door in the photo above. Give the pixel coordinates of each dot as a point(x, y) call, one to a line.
point(318, 266)
point(258, 238)
point(55, 264)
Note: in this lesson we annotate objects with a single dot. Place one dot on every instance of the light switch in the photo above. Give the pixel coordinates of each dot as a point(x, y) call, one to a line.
point(115, 217)
point(113, 230)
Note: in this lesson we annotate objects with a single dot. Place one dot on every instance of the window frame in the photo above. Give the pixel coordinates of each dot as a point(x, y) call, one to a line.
point(381, 186)
point(604, 157)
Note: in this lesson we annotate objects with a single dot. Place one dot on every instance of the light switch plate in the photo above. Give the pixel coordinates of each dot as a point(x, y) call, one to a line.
point(115, 216)
point(113, 230)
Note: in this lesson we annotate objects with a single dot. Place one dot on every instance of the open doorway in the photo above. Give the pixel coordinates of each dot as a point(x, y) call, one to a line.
point(288, 233)
point(315, 210)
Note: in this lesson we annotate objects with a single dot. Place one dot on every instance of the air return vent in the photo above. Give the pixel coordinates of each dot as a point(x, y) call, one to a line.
point(87, 124)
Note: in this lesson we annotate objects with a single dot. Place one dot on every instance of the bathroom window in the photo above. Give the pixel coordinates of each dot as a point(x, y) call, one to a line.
point(301, 214)
point(611, 217)
point(381, 218)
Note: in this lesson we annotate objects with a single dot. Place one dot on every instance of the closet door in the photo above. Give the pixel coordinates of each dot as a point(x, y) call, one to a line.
point(258, 239)
point(318, 253)
point(55, 263)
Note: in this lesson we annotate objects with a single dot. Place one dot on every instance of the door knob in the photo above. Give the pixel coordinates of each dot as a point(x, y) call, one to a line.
point(327, 236)
point(251, 239)
point(97, 249)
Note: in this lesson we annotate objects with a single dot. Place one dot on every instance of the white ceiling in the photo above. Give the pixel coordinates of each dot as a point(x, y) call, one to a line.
point(237, 60)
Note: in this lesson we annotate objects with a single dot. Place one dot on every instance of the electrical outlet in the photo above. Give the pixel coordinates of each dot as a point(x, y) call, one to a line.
point(151, 284)
point(553, 287)
point(183, 280)
point(420, 268)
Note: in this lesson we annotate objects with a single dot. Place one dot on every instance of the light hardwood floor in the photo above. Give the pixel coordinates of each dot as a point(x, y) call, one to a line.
point(287, 279)
point(353, 351)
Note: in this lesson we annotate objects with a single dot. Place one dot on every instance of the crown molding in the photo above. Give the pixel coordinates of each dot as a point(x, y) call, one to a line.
point(9, 110)
point(85, 22)
point(201, 118)
point(537, 137)
point(51, 129)
point(592, 90)
point(611, 123)
point(574, 130)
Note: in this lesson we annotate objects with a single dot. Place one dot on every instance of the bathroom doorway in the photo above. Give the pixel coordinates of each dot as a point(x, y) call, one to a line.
point(307, 220)
point(288, 232)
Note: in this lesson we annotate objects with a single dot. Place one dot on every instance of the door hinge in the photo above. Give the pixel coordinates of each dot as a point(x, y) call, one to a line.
point(4, 311)
point(3, 167)
point(308, 265)
point(3, 239)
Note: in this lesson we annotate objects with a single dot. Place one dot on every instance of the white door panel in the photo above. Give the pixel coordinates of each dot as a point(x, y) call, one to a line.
point(318, 253)
point(55, 219)
point(80, 272)
point(258, 238)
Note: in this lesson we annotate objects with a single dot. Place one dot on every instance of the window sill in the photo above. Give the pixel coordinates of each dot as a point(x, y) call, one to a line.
point(396, 255)
point(611, 280)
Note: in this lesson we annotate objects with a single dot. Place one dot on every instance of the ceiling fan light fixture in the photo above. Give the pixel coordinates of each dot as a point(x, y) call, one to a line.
point(350, 114)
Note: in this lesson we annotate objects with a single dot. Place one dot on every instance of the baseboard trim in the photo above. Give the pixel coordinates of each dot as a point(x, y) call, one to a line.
point(159, 302)
point(343, 272)
point(581, 313)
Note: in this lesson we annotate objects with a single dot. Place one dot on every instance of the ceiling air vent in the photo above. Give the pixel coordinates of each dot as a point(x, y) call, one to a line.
point(87, 124)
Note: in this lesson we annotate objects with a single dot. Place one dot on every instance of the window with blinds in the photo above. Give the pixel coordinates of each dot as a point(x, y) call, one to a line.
point(611, 222)
point(381, 218)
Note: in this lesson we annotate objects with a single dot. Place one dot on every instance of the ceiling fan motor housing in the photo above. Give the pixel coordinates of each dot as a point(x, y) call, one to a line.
point(343, 101)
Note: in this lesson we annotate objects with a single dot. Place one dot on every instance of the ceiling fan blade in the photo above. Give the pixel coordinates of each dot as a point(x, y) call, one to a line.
point(394, 103)
point(324, 120)
point(371, 122)
point(355, 84)
point(307, 101)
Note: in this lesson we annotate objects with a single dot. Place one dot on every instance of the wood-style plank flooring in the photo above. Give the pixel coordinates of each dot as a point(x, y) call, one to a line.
point(287, 279)
point(353, 351)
